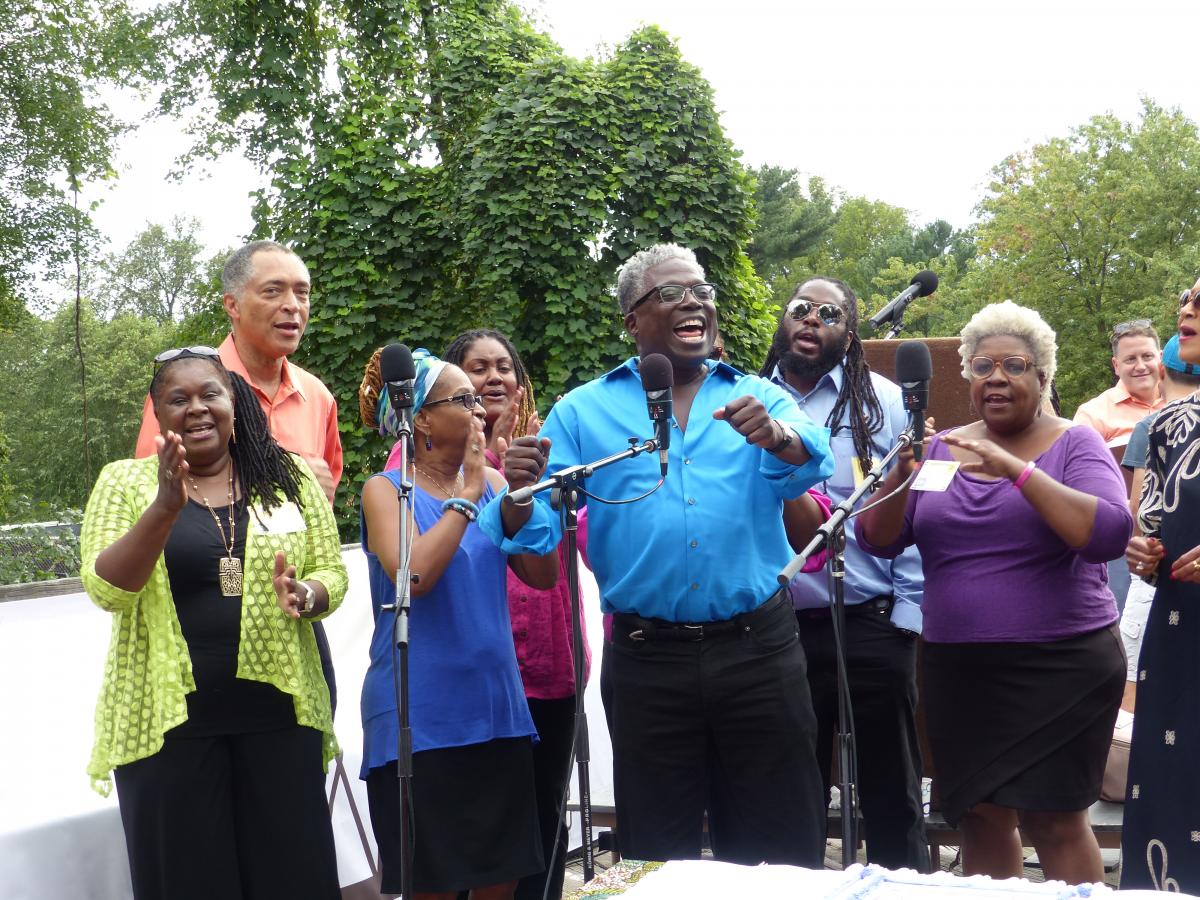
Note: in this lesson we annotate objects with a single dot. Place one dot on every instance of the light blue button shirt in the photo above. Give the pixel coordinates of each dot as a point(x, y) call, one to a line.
point(866, 576)
point(708, 544)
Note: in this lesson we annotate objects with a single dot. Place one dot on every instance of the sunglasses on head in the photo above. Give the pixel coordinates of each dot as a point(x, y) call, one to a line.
point(829, 313)
point(468, 401)
point(1131, 325)
point(1013, 366)
point(197, 352)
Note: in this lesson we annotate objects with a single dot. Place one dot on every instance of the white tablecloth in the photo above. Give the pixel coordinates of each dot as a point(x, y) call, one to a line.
point(59, 839)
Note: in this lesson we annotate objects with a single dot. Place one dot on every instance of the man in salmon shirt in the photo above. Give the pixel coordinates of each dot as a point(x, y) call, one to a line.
point(266, 296)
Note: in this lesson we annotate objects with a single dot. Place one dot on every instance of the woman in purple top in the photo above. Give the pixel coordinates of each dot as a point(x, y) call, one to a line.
point(473, 809)
point(1023, 665)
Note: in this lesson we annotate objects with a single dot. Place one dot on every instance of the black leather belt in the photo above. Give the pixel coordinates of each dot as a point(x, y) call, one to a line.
point(876, 606)
point(643, 629)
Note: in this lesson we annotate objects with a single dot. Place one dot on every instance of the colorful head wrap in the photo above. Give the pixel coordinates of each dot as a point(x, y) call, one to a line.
point(429, 369)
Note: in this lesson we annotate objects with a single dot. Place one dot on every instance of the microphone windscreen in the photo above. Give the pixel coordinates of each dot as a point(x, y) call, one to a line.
point(396, 364)
point(927, 280)
point(913, 362)
point(657, 374)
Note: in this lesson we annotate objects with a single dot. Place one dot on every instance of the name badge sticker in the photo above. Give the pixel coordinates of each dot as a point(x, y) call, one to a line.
point(283, 519)
point(935, 475)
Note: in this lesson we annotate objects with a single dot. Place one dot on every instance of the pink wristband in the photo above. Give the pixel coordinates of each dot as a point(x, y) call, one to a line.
point(1025, 473)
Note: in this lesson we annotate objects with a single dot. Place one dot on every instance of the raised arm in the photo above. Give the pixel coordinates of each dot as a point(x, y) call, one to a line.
point(126, 560)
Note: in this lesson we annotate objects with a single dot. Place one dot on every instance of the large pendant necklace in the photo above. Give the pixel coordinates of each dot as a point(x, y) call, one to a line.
point(458, 481)
point(229, 567)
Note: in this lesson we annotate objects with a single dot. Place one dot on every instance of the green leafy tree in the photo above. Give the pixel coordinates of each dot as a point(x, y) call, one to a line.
point(40, 397)
point(54, 131)
point(1095, 228)
point(789, 223)
point(206, 324)
point(159, 275)
point(460, 171)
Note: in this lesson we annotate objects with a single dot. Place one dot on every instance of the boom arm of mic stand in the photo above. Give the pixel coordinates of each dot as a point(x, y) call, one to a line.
point(563, 477)
point(842, 511)
point(896, 319)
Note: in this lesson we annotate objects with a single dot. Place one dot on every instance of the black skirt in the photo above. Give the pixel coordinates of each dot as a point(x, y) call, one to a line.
point(1022, 725)
point(475, 817)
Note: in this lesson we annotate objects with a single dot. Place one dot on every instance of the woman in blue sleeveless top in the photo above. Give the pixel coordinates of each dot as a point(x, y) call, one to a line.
point(475, 820)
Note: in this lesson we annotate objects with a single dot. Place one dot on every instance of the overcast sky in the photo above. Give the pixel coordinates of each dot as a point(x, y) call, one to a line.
point(907, 102)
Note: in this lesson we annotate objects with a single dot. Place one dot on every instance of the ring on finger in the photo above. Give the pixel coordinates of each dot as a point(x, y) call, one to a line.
point(1196, 564)
point(1140, 566)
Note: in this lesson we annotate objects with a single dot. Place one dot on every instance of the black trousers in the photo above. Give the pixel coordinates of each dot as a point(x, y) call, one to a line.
point(881, 662)
point(555, 722)
point(240, 817)
point(724, 724)
point(326, 663)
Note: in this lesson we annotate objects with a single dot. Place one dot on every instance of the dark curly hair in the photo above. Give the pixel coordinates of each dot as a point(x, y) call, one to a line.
point(264, 469)
point(456, 353)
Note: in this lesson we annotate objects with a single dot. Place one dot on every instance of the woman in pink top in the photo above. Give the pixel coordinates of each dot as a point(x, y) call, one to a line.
point(541, 620)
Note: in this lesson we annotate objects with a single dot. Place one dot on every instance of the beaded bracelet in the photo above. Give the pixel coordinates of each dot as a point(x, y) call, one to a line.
point(1025, 473)
point(461, 505)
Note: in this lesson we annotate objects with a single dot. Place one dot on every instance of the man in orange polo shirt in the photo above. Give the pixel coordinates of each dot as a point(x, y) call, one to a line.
point(1137, 362)
point(267, 290)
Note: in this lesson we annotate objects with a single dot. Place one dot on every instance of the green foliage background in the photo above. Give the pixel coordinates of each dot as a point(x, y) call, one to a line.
point(444, 165)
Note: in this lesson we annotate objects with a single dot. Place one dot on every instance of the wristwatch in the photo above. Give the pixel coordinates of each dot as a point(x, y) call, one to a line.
point(310, 597)
point(784, 442)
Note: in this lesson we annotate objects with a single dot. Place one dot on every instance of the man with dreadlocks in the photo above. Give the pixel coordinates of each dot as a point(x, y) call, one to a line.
point(817, 357)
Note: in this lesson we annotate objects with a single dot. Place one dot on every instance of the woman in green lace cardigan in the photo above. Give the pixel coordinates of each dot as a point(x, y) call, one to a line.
point(214, 557)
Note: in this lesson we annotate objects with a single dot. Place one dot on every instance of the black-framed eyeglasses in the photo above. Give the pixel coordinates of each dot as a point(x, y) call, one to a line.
point(1013, 366)
point(199, 351)
point(829, 313)
point(468, 401)
point(670, 294)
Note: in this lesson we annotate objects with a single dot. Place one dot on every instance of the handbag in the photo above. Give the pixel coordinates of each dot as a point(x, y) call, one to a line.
point(1116, 770)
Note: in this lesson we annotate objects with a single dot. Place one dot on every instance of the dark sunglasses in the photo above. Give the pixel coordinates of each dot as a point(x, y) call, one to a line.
point(670, 294)
point(197, 352)
point(468, 401)
point(1186, 297)
point(828, 313)
point(1013, 366)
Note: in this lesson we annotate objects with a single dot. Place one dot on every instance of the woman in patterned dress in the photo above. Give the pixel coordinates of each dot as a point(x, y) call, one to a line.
point(1161, 834)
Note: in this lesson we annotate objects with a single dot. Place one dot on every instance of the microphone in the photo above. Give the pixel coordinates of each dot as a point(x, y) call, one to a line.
point(657, 380)
point(923, 284)
point(914, 368)
point(398, 371)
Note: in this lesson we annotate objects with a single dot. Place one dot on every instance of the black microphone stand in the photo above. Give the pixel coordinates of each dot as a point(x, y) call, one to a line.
point(400, 608)
point(897, 321)
point(565, 486)
point(832, 535)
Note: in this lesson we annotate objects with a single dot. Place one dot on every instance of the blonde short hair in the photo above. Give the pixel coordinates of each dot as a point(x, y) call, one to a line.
point(1012, 319)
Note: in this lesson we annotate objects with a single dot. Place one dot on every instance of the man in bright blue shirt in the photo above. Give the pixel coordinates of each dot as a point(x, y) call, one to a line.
point(817, 358)
point(709, 708)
